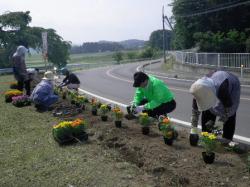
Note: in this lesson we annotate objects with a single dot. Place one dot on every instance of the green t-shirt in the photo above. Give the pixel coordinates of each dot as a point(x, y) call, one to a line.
point(156, 92)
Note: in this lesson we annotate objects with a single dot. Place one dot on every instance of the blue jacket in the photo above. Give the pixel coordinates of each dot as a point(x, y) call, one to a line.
point(43, 93)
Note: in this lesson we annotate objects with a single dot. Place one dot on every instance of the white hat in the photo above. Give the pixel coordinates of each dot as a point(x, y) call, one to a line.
point(204, 93)
point(48, 75)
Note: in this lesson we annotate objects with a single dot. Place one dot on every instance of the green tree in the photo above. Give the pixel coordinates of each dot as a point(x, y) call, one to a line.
point(14, 31)
point(148, 52)
point(194, 17)
point(156, 39)
point(131, 55)
point(118, 56)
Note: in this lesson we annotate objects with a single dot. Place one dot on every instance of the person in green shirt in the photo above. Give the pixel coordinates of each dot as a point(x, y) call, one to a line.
point(152, 96)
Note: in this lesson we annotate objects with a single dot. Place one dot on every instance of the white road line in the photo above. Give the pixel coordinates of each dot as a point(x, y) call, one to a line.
point(115, 77)
point(177, 121)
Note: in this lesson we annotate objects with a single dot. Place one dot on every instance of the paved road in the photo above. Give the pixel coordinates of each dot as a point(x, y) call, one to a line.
point(115, 83)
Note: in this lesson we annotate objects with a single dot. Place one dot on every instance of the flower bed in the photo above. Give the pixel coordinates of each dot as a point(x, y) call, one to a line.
point(11, 93)
point(20, 101)
point(70, 131)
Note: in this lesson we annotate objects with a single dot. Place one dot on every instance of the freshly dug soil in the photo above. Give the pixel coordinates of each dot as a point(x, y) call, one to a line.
point(159, 164)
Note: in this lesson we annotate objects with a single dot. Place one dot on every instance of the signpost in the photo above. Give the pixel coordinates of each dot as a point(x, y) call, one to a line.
point(45, 48)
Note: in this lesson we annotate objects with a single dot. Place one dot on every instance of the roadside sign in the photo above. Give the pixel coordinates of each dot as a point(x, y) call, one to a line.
point(45, 44)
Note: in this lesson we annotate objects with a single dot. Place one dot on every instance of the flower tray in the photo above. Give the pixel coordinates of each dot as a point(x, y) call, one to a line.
point(68, 139)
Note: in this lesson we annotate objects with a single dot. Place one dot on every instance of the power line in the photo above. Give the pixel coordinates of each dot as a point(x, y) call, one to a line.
point(213, 10)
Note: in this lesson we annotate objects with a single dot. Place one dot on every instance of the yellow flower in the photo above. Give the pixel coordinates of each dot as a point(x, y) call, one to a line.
point(212, 137)
point(77, 122)
point(205, 134)
point(144, 114)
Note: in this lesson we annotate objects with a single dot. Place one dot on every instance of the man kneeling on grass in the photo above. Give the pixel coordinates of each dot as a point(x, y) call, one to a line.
point(152, 96)
point(43, 95)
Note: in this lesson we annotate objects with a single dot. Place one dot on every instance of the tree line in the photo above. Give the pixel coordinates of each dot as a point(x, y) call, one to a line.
point(15, 31)
point(212, 25)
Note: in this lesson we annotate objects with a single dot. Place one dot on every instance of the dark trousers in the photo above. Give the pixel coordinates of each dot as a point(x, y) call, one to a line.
point(163, 109)
point(228, 126)
point(25, 84)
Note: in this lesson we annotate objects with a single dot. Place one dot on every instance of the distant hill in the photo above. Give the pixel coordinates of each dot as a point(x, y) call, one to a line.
point(128, 44)
point(103, 45)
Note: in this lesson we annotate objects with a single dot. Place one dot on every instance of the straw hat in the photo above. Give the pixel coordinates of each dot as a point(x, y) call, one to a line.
point(48, 75)
point(204, 93)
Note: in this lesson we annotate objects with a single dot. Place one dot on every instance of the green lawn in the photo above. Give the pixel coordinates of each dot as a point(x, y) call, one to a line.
point(37, 60)
point(29, 156)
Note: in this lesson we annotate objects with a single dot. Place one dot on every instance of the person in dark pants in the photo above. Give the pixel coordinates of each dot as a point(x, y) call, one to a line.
point(216, 96)
point(152, 96)
point(70, 80)
point(19, 69)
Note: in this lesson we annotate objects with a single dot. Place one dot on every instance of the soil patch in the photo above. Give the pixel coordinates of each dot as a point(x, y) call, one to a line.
point(176, 165)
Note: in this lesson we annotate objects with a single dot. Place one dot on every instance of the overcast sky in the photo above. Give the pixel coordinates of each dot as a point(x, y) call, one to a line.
point(81, 21)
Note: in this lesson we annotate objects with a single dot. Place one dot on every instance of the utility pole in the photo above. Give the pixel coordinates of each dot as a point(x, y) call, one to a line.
point(163, 36)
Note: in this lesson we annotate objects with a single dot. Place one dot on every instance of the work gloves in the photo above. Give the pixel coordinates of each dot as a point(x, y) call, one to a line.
point(139, 109)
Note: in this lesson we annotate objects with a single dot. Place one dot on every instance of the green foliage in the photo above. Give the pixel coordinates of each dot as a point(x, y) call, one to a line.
point(148, 52)
point(156, 39)
point(248, 45)
point(229, 22)
point(230, 42)
point(14, 31)
point(132, 55)
point(118, 56)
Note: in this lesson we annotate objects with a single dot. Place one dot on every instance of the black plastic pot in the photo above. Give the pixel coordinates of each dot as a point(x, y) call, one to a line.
point(168, 141)
point(94, 112)
point(104, 118)
point(83, 107)
point(208, 158)
point(118, 124)
point(193, 139)
point(145, 130)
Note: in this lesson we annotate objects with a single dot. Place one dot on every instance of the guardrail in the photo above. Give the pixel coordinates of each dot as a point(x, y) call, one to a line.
point(83, 65)
point(232, 60)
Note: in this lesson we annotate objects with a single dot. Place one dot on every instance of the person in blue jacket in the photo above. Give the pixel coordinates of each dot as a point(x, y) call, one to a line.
point(43, 94)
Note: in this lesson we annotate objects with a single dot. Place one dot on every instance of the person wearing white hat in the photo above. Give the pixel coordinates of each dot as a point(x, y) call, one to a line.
point(19, 69)
point(216, 96)
point(43, 94)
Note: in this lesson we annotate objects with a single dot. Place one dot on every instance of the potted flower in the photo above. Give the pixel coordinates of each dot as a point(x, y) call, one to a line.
point(12, 93)
point(144, 121)
point(167, 129)
point(209, 142)
point(69, 131)
point(103, 112)
point(94, 107)
point(20, 101)
point(73, 96)
point(117, 115)
point(80, 101)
